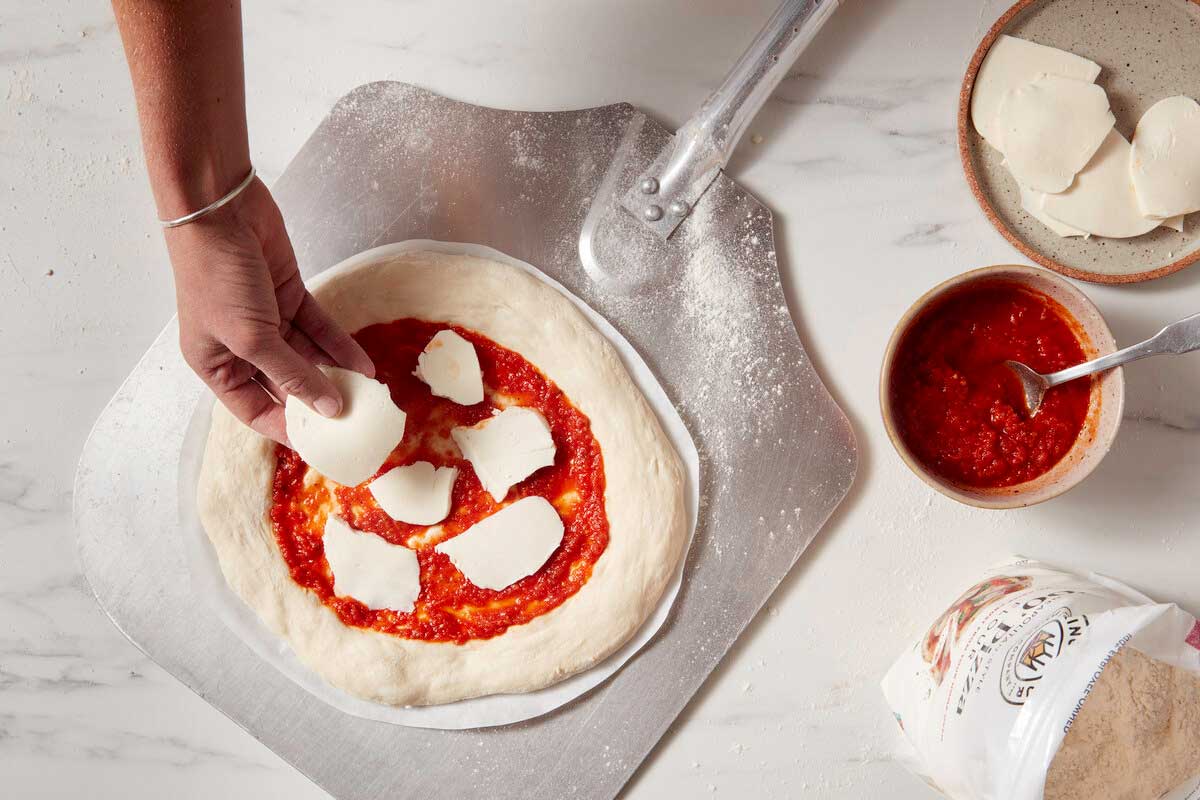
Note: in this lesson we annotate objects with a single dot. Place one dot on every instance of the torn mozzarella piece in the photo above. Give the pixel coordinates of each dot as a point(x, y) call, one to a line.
point(507, 546)
point(1050, 128)
point(418, 494)
point(1165, 159)
point(372, 570)
point(1011, 63)
point(348, 448)
point(1031, 201)
point(507, 448)
point(1102, 201)
point(449, 365)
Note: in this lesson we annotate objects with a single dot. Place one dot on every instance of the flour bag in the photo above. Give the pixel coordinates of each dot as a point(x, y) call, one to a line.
point(1039, 684)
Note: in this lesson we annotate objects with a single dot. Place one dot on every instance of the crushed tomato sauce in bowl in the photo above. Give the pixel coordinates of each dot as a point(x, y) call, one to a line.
point(956, 413)
point(958, 407)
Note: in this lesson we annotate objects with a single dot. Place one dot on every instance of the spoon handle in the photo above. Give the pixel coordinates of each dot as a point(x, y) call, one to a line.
point(1178, 337)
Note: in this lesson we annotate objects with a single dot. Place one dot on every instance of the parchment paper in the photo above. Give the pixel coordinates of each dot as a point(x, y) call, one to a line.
point(209, 583)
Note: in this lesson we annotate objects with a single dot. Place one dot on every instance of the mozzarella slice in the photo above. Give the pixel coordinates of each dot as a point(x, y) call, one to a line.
point(1050, 128)
point(373, 571)
point(1013, 62)
point(1102, 201)
point(1165, 159)
point(417, 494)
point(1031, 201)
point(349, 448)
point(507, 546)
point(449, 365)
point(507, 448)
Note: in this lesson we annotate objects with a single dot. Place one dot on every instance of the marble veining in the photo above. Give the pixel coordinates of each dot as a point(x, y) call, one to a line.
point(856, 156)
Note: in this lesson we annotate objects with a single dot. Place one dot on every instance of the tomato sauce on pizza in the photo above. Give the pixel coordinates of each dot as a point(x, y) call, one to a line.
point(450, 608)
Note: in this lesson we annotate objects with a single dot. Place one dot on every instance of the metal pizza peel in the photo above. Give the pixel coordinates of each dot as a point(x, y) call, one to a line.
point(695, 287)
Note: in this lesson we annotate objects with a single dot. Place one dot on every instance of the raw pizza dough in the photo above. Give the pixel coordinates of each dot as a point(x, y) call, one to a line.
point(644, 498)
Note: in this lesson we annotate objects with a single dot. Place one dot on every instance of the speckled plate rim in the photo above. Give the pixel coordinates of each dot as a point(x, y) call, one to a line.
point(985, 203)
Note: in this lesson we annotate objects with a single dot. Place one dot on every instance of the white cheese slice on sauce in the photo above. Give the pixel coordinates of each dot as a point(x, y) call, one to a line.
point(418, 494)
point(1050, 128)
point(372, 570)
point(1013, 62)
point(1165, 159)
point(507, 448)
point(514, 542)
point(449, 366)
point(350, 447)
point(1101, 201)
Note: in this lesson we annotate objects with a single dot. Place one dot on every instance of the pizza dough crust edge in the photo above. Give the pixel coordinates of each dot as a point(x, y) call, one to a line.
point(644, 494)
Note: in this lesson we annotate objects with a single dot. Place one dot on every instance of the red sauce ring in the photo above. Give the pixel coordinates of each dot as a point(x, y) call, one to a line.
point(449, 608)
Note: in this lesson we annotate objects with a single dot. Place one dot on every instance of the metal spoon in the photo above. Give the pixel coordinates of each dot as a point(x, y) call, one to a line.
point(1178, 337)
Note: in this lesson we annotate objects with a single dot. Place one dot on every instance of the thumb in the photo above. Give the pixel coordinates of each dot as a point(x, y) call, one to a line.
point(291, 372)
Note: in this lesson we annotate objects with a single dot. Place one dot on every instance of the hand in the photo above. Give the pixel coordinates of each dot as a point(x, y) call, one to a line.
point(247, 324)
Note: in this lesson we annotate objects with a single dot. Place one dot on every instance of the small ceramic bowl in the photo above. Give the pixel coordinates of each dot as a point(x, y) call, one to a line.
point(1104, 412)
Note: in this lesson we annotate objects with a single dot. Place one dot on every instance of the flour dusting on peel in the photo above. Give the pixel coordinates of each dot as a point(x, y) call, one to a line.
point(722, 300)
point(728, 289)
point(710, 296)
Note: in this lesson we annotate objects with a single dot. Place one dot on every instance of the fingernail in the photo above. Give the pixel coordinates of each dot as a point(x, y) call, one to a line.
point(327, 406)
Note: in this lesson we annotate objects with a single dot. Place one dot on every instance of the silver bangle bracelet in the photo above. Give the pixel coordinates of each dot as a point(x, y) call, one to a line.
point(211, 207)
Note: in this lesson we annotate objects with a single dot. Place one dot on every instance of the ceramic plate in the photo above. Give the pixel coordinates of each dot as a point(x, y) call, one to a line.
point(1147, 50)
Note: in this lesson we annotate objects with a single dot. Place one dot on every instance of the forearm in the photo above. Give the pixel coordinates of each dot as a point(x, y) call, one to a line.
point(185, 58)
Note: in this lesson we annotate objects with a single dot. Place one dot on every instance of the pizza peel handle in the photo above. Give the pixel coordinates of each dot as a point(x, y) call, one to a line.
point(667, 191)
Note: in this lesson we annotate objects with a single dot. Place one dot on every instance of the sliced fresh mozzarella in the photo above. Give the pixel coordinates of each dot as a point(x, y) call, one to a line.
point(350, 447)
point(449, 365)
point(370, 569)
point(1050, 128)
point(507, 546)
point(1101, 201)
point(1013, 62)
point(417, 494)
point(507, 448)
point(1031, 201)
point(1165, 159)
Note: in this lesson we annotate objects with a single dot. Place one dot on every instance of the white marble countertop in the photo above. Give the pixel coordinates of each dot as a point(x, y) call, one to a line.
point(858, 160)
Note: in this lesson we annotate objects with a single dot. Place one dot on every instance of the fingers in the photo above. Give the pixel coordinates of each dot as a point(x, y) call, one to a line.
point(296, 339)
point(251, 403)
point(299, 341)
point(232, 380)
point(330, 337)
point(290, 371)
